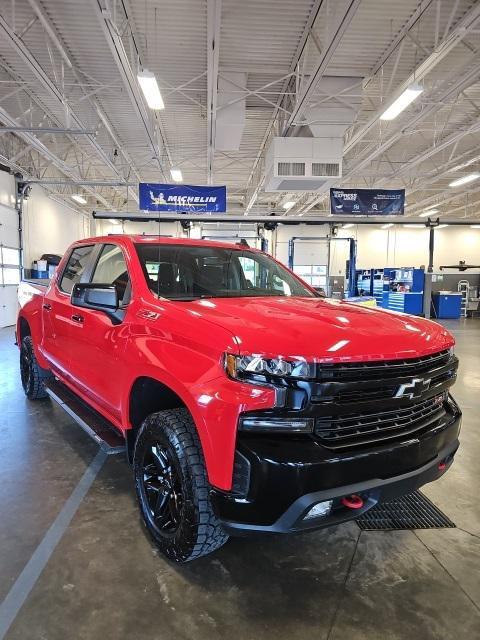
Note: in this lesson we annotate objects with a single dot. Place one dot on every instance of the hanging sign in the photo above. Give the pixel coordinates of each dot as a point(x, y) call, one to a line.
point(182, 197)
point(367, 201)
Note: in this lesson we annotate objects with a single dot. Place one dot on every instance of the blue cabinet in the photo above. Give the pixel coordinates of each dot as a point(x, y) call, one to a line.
point(446, 305)
point(405, 302)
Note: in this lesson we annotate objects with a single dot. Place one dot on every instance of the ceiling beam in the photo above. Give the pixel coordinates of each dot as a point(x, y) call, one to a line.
point(373, 151)
point(250, 199)
point(214, 18)
point(34, 66)
point(129, 78)
point(423, 69)
point(55, 130)
point(322, 63)
point(414, 18)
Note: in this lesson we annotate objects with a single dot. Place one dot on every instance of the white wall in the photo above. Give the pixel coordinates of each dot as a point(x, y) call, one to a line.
point(394, 247)
point(8, 237)
point(49, 227)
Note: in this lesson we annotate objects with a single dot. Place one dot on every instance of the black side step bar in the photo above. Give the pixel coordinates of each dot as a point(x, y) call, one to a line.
point(97, 427)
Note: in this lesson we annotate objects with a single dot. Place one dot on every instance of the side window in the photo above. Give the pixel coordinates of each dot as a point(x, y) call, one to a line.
point(259, 276)
point(112, 269)
point(75, 268)
point(249, 271)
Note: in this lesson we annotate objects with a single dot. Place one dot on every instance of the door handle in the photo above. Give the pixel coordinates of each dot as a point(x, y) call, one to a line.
point(78, 319)
point(47, 306)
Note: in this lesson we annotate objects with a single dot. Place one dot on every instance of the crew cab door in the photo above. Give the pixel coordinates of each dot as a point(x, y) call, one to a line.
point(57, 310)
point(97, 343)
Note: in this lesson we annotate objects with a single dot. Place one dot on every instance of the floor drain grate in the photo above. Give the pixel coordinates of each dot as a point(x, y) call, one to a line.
point(413, 511)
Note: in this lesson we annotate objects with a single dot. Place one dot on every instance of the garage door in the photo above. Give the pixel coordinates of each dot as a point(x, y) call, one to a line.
point(9, 265)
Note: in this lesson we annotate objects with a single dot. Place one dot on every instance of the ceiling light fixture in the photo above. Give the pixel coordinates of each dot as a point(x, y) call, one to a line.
point(387, 226)
point(113, 221)
point(441, 226)
point(348, 225)
point(414, 226)
point(289, 204)
point(149, 86)
point(475, 226)
point(459, 181)
point(402, 102)
point(176, 175)
point(78, 198)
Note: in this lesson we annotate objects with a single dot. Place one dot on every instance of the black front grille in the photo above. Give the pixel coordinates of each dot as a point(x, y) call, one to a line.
point(357, 429)
point(349, 383)
point(383, 369)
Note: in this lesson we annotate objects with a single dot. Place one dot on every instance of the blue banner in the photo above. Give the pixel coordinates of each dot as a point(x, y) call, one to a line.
point(182, 197)
point(367, 201)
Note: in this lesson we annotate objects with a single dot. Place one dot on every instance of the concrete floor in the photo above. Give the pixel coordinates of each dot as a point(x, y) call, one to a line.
point(105, 579)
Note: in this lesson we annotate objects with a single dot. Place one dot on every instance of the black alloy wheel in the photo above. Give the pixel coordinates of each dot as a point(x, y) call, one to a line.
point(162, 489)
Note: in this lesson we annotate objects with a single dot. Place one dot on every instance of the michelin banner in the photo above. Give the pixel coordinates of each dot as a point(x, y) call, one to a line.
point(367, 201)
point(184, 197)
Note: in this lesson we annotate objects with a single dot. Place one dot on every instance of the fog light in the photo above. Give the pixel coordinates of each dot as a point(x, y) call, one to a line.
point(320, 509)
point(277, 425)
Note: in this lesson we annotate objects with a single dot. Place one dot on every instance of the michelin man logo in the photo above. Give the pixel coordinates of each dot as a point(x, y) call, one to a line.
point(157, 200)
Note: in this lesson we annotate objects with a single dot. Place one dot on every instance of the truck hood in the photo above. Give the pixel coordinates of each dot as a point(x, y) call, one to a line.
point(321, 330)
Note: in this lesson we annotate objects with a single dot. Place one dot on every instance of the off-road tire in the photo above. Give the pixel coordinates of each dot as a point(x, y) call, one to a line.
point(32, 375)
point(198, 531)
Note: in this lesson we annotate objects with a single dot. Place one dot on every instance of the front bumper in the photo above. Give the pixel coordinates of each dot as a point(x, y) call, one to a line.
point(289, 475)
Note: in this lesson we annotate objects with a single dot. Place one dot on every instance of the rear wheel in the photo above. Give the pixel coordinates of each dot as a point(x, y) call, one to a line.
point(31, 373)
point(172, 487)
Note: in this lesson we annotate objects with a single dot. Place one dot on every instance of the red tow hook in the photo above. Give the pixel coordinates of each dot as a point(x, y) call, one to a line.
point(442, 466)
point(352, 502)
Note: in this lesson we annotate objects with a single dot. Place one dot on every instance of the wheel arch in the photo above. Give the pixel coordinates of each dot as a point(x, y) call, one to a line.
point(147, 395)
point(23, 329)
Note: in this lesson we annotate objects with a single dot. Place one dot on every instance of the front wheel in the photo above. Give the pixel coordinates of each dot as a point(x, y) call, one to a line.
point(172, 487)
point(31, 373)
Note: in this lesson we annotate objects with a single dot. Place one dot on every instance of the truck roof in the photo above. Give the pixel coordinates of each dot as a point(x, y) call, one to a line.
point(157, 239)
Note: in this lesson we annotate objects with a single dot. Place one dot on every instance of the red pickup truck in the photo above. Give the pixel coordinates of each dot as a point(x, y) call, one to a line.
point(245, 402)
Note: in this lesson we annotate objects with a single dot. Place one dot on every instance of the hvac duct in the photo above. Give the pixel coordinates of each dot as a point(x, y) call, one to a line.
point(231, 108)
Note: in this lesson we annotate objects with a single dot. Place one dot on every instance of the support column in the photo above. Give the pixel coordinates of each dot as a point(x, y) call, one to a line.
point(427, 287)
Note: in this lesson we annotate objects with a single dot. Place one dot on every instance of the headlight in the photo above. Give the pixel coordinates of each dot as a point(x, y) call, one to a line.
point(255, 367)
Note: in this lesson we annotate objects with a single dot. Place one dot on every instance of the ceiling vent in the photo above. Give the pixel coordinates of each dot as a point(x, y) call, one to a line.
point(307, 163)
point(302, 164)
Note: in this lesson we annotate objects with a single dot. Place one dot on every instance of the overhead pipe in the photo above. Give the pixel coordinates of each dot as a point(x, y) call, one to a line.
point(139, 216)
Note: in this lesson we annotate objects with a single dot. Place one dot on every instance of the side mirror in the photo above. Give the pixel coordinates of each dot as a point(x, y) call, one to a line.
point(99, 297)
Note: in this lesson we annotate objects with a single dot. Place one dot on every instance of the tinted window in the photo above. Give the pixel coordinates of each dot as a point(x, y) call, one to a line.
point(188, 272)
point(75, 268)
point(112, 269)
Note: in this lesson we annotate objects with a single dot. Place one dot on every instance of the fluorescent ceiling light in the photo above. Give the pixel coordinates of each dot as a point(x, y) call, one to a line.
point(78, 198)
point(414, 226)
point(113, 221)
point(387, 226)
point(475, 226)
point(176, 175)
point(348, 225)
point(402, 102)
point(459, 181)
point(289, 204)
point(430, 212)
point(441, 226)
point(149, 86)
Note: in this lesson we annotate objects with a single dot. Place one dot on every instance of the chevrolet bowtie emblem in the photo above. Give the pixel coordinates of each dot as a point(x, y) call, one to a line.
point(413, 389)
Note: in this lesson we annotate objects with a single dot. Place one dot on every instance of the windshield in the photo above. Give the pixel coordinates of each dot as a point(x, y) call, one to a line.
point(185, 272)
